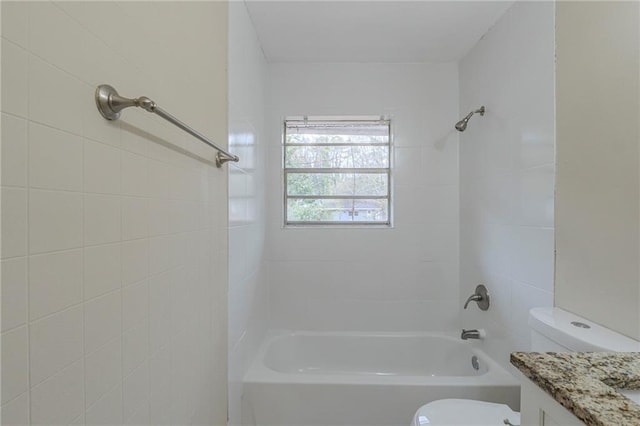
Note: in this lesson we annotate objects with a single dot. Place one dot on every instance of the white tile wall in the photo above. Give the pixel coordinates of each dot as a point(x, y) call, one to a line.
point(507, 175)
point(54, 343)
point(399, 279)
point(102, 320)
point(107, 410)
point(14, 151)
point(55, 282)
point(102, 269)
point(103, 370)
point(60, 399)
point(17, 411)
point(55, 159)
point(113, 242)
point(135, 347)
point(55, 220)
point(14, 222)
point(15, 360)
point(103, 218)
point(248, 297)
point(14, 79)
point(14, 292)
point(100, 162)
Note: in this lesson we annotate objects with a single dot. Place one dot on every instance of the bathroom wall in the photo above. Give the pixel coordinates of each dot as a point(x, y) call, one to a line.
point(597, 225)
point(507, 175)
point(395, 279)
point(248, 290)
point(114, 234)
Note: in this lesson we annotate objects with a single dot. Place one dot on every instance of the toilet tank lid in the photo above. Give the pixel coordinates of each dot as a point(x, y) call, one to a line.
point(577, 333)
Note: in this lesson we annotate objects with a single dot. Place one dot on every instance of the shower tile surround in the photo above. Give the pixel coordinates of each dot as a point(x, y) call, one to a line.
point(113, 243)
point(407, 278)
point(403, 278)
point(507, 165)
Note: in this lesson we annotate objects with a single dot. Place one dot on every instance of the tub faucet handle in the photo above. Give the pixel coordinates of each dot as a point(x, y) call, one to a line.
point(481, 297)
point(472, 298)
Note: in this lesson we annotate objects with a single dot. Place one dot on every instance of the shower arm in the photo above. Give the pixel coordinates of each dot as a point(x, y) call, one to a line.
point(478, 111)
point(468, 116)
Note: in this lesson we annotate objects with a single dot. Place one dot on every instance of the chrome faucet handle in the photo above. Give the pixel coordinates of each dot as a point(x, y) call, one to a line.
point(508, 423)
point(472, 298)
point(481, 297)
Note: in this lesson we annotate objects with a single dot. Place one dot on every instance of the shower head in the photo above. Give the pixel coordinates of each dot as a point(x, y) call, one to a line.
point(461, 125)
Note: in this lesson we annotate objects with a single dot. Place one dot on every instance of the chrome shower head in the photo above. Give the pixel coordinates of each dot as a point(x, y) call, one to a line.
point(461, 125)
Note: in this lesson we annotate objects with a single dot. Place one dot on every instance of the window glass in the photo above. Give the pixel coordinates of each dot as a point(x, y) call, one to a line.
point(337, 171)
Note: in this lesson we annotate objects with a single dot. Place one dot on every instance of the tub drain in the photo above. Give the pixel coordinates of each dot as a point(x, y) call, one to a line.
point(475, 363)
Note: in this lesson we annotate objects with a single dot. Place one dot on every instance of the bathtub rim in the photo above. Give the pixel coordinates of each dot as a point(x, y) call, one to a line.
point(258, 372)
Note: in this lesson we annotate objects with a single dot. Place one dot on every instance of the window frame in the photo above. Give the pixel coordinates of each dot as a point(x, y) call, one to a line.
point(386, 170)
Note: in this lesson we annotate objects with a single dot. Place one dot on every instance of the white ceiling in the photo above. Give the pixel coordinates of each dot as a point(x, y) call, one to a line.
point(371, 31)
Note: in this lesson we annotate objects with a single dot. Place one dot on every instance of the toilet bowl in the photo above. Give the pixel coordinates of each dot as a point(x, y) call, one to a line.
point(464, 412)
point(552, 330)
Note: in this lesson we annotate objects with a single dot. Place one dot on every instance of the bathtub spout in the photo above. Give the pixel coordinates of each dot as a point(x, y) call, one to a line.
point(473, 334)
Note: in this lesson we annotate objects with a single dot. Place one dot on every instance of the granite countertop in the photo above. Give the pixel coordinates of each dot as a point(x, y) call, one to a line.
point(586, 383)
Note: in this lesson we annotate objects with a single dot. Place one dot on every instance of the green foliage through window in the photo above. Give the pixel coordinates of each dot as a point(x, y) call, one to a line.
point(337, 171)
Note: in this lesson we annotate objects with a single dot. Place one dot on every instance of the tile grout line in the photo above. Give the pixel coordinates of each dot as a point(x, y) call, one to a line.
point(82, 287)
point(28, 236)
point(122, 331)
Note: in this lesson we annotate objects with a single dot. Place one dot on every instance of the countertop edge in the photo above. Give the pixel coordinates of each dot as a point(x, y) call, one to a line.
point(577, 382)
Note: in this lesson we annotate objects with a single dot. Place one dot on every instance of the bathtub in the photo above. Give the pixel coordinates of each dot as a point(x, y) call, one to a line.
point(374, 379)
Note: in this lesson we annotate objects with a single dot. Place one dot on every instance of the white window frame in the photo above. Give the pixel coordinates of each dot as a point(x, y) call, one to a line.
point(349, 224)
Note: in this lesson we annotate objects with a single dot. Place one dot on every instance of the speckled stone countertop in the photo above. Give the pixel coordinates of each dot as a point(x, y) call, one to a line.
point(586, 383)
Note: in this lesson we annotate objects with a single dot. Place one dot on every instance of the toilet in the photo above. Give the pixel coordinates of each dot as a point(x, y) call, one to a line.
point(552, 330)
point(464, 412)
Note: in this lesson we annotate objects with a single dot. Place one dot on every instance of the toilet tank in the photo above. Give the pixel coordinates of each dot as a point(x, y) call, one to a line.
point(556, 330)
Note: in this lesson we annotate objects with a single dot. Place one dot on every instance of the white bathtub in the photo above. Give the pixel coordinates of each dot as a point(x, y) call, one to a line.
point(317, 379)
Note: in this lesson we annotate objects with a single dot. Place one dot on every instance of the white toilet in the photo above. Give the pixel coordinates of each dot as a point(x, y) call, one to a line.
point(552, 330)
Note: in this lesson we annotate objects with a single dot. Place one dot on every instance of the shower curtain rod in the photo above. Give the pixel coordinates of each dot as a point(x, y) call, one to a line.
point(110, 103)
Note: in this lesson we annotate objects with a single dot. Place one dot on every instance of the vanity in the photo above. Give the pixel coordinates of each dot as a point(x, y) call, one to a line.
point(566, 389)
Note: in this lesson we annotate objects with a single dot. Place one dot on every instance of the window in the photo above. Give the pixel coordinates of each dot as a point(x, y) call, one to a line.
point(337, 171)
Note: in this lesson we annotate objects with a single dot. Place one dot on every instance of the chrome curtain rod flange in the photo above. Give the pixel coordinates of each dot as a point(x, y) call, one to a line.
point(223, 157)
point(110, 103)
